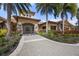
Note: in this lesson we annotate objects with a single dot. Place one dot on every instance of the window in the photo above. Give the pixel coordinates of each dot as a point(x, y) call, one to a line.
point(43, 27)
point(0, 26)
point(61, 26)
point(53, 27)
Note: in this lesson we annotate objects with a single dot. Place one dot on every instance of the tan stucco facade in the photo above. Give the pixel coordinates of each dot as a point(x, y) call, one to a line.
point(37, 26)
point(25, 20)
point(67, 25)
point(57, 26)
point(34, 25)
point(42, 27)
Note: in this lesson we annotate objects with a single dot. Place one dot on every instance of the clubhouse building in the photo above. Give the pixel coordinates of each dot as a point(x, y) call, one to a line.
point(27, 24)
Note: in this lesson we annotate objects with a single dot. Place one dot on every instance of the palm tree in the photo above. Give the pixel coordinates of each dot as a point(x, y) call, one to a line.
point(48, 8)
point(13, 8)
point(67, 8)
point(77, 16)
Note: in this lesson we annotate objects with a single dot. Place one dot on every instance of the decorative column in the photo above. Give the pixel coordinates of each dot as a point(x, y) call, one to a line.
point(36, 28)
point(20, 27)
point(56, 27)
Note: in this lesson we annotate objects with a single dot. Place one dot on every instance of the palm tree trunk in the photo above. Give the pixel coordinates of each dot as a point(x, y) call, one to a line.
point(8, 23)
point(62, 16)
point(46, 22)
point(63, 26)
point(78, 24)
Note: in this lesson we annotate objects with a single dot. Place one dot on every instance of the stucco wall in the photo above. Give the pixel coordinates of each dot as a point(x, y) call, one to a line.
point(35, 23)
point(49, 26)
point(27, 21)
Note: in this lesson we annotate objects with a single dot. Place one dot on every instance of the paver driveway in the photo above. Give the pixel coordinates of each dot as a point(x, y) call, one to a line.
point(35, 45)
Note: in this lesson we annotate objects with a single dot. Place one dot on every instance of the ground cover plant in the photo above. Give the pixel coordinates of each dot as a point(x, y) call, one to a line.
point(64, 38)
point(8, 46)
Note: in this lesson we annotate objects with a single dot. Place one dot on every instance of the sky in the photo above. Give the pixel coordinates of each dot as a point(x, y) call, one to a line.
point(42, 17)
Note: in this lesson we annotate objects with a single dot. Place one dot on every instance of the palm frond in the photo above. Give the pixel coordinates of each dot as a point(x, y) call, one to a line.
point(14, 9)
point(0, 5)
point(69, 8)
point(19, 9)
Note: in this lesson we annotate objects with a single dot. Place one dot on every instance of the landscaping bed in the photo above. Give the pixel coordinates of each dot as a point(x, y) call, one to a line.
point(8, 46)
point(66, 38)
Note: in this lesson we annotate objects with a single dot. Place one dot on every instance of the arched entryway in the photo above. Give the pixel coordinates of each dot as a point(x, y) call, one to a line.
point(28, 28)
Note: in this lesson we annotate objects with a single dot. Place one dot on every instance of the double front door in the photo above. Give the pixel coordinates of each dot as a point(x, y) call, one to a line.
point(28, 28)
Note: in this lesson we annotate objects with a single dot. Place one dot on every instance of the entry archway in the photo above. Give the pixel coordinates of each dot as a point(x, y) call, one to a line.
point(28, 28)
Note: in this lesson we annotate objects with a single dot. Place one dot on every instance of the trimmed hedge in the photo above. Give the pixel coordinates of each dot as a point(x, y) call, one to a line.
point(66, 38)
point(69, 32)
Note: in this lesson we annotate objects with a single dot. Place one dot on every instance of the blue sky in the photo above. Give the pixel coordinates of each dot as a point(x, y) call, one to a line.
point(41, 17)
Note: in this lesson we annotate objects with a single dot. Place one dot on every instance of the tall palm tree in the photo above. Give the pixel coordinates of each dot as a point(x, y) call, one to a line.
point(48, 8)
point(67, 8)
point(77, 16)
point(13, 8)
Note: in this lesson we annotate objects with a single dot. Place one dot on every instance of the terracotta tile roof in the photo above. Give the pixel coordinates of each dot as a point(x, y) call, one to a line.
point(16, 17)
point(52, 22)
point(66, 21)
point(48, 22)
point(2, 19)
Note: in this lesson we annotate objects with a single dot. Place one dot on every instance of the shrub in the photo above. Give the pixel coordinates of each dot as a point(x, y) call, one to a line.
point(3, 50)
point(42, 33)
point(50, 33)
point(2, 41)
point(71, 38)
point(71, 31)
point(71, 35)
point(7, 45)
point(3, 32)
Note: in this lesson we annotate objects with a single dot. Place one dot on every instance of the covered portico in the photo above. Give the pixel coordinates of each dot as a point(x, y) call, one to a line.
point(27, 25)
